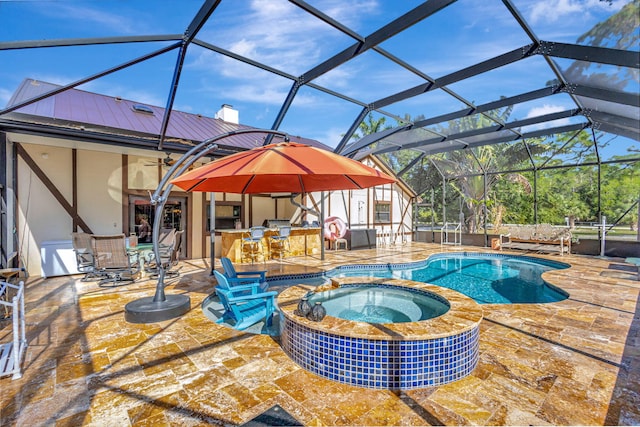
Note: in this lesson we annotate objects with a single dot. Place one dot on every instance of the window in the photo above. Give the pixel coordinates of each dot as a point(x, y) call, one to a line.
point(383, 212)
point(226, 215)
point(142, 109)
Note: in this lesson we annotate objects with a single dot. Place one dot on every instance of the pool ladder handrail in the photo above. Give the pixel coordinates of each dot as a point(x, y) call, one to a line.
point(384, 238)
point(446, 230)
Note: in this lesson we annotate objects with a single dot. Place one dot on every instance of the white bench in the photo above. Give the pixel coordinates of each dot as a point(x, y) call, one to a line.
point(537, 238)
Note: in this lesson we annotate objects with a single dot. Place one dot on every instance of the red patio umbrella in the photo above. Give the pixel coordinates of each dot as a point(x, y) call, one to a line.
point(285, 167)
point(276, 168)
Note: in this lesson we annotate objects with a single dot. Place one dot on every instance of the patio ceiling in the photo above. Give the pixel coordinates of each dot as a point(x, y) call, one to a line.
point(596, 85)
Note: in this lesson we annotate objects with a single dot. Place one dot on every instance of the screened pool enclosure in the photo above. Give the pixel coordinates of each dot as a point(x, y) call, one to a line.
point(494, 112)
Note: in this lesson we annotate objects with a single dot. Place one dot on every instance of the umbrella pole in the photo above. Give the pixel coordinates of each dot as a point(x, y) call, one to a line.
point(212, 230)
point(322, 226)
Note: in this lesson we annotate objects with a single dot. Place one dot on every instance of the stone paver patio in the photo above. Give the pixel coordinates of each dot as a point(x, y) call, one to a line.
point(574, 362)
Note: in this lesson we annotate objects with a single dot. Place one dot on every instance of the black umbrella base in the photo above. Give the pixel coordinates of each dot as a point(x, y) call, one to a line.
point(144, 310)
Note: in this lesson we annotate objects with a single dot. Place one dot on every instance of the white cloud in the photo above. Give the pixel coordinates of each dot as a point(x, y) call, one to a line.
point(541, 111)
point(283, 36)
point(258, 94)
point(338, 78)
point(351, 12)
point(277, 34)
point(88, 16)
point(331, 136)
point(554, 11)
point(545, 109)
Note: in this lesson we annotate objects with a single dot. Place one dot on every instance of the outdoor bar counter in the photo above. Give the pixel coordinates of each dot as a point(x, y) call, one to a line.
point(302, 241)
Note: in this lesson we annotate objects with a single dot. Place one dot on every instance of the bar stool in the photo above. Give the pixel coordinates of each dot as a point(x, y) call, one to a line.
point(280, 242)
point(252, 244)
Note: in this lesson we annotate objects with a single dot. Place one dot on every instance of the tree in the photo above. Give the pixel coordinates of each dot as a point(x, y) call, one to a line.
point(466, 167)
point(563, 193)
point(369, 126)
point(619, 31)
point(621, 187)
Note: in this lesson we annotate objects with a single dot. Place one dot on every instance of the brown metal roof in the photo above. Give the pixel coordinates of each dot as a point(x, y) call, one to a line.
point(75, 108)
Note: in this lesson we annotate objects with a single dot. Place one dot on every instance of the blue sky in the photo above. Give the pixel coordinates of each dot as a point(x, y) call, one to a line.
point(282, 36)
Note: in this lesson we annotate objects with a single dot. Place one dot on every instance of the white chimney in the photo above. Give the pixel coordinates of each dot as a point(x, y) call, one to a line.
point(228, 114)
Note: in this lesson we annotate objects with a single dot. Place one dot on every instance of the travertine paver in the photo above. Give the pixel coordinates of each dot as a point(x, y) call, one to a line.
point(571, 362)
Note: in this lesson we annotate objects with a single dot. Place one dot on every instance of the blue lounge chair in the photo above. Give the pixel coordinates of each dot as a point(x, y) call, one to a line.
point(244, 310)
point(243, 277)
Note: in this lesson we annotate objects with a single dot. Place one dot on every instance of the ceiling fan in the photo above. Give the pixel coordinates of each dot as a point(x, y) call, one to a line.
point(167, 161)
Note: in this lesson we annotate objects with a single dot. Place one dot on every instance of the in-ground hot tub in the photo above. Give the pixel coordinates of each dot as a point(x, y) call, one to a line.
point(398, 356)
point(373, 303)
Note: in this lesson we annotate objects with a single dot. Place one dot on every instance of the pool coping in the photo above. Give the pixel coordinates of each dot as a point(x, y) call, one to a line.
point(463, 315)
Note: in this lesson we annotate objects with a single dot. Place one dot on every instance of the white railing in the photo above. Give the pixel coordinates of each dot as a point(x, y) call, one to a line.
point(447, 230)
point(602, 229)
point(384, 237)
point(11, 352)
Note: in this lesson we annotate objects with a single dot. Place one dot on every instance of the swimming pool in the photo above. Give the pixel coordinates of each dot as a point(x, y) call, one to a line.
point(487, 278)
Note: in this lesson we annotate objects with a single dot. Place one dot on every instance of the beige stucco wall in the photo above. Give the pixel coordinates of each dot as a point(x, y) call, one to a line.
point(143, 174)
point(40, 216)
point(286, 210)
point(262, 208)
point(43, 219)
point(100, 191)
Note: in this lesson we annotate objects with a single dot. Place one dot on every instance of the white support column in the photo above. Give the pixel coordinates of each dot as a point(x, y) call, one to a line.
point(603, 235)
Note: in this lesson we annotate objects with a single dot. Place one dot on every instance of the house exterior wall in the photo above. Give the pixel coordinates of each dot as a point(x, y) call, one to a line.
point(141, 175)
point(262, 208)
point(103, 197)
point(285, 210)
point(41, 216)
point(99, 191)
point(100, 196)
point(357, 209)
point(197, 226)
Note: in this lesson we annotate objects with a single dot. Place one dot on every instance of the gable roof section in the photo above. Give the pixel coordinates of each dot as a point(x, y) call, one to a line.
point(75, 109)
point(379, 164)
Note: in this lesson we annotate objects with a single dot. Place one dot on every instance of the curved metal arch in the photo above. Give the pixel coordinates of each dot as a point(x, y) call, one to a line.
point(160, 306)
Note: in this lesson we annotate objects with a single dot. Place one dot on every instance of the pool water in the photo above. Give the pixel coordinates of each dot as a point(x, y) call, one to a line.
point(488, 279)
point(380, 304)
